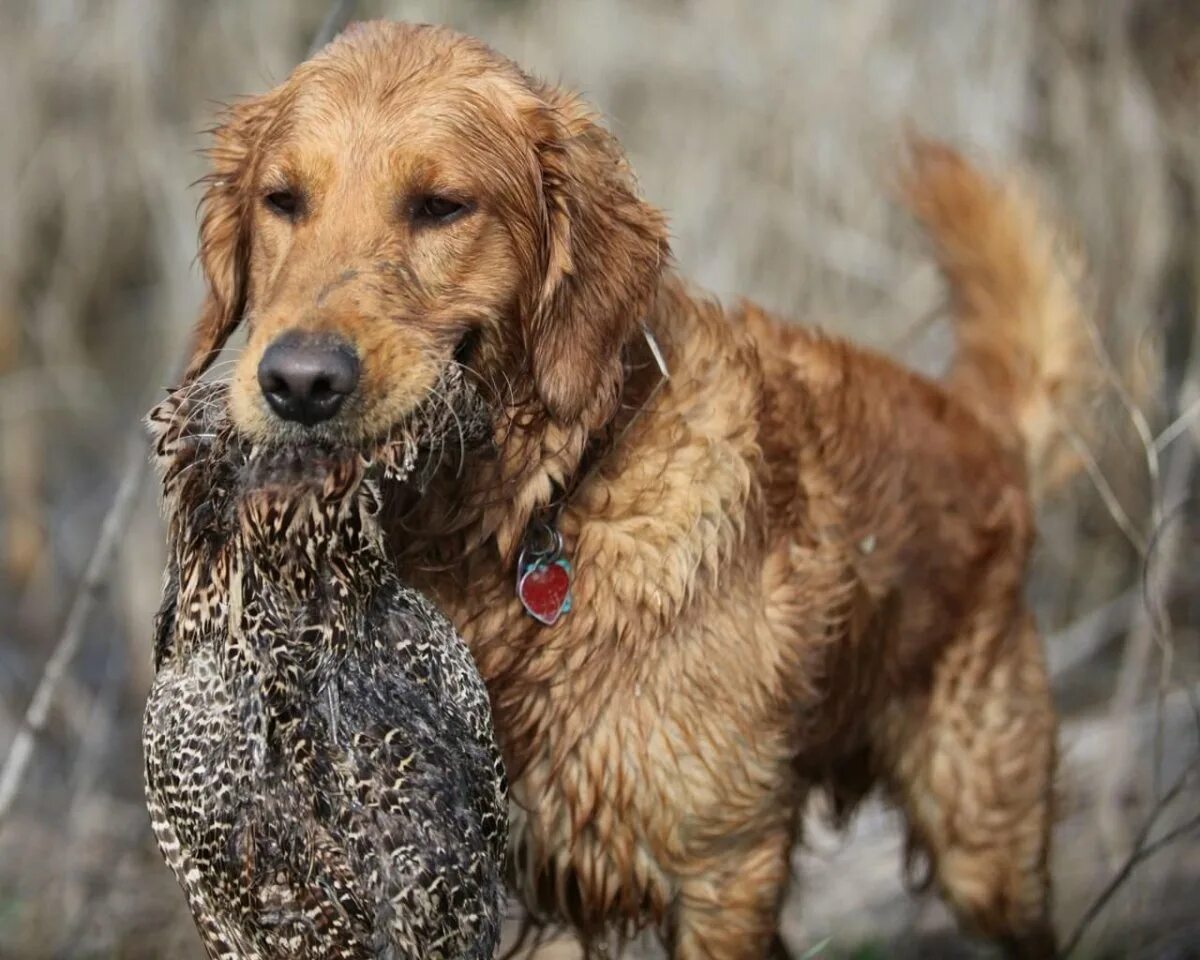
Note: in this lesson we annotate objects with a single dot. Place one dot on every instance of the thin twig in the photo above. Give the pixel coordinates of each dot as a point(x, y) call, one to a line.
point(335, 19)
point(1166, 540)
point(1136, 417)
point(99, 565)
point(98, 568)
point(1107, 494)
point(1150, 629)
point(1076, 643)
point(1142, 851)
point(1177, 426)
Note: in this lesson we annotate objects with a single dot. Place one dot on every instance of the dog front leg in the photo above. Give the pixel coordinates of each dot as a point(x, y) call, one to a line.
point(731, 912)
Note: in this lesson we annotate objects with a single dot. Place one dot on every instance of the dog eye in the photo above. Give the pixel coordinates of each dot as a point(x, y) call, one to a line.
point(285, 203)
point(433, 209)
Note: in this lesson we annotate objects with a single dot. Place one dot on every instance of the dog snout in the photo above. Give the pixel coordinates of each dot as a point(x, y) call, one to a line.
point(306, 377)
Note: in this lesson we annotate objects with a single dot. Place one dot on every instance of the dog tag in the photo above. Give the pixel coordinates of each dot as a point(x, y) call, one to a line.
point(545, 590)
point(544, 579)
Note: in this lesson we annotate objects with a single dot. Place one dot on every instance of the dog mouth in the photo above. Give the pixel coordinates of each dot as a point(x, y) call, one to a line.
point(197, 421)
point(467, 347)
point(447, 393)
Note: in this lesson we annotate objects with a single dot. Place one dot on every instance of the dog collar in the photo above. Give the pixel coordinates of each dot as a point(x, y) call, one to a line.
point(544, 573)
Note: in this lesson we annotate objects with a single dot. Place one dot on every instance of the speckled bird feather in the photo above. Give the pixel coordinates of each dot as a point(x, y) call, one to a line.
point(321, 770)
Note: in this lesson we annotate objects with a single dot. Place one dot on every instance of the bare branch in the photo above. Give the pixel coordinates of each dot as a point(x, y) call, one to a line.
point(1078, 642)
point(1107, 494)
point(335, 19)
point(98, 568)
point(1142, 850)
point(116, 520)
point(1177, 426)
point(1136, 417)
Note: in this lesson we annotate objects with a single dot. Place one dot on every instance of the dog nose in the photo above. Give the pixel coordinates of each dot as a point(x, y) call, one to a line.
point(305, 377)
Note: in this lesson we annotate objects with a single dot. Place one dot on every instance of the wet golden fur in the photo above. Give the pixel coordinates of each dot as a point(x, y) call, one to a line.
point(799, 567)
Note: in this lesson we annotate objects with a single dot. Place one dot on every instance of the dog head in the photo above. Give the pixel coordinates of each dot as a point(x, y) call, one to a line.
point(406, 201)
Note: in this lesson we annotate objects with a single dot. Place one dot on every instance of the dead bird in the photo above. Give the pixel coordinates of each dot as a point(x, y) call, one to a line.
point(321, 771)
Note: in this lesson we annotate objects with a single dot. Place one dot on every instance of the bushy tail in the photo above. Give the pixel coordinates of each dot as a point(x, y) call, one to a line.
point(1024, 362)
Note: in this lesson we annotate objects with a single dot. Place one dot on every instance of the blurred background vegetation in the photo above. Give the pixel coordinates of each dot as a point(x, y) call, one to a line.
point(768, 130)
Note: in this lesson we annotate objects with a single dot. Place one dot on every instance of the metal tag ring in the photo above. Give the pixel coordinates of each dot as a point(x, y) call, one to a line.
point(545, 542)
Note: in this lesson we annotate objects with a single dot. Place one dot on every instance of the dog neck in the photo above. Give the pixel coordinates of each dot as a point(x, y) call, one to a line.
point(485, 505)
point(644, 372)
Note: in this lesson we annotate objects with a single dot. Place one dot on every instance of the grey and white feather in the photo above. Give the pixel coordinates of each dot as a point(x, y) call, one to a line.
point(321, 770)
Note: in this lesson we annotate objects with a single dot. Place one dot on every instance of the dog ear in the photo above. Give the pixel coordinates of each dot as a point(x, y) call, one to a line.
point(604, 250)
point(226, 209)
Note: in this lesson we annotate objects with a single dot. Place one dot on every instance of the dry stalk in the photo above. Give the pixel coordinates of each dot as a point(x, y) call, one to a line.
point(1150, 630)
point(1176, 427)
point(98, 569)
point(100, 566)
point(1143, 849)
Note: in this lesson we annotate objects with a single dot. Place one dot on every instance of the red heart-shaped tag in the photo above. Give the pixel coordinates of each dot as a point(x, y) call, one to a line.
point(545, 591)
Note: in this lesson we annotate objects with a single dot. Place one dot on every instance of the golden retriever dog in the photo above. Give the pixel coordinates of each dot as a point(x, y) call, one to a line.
point(793, 565)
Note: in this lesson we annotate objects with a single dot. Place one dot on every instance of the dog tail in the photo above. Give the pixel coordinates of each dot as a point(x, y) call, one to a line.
point(1024, 362)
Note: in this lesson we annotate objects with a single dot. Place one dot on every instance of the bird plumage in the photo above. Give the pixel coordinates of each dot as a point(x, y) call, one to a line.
point(321, 770)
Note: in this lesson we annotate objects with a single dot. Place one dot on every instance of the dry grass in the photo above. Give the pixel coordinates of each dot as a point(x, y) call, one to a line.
point(788, 113)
